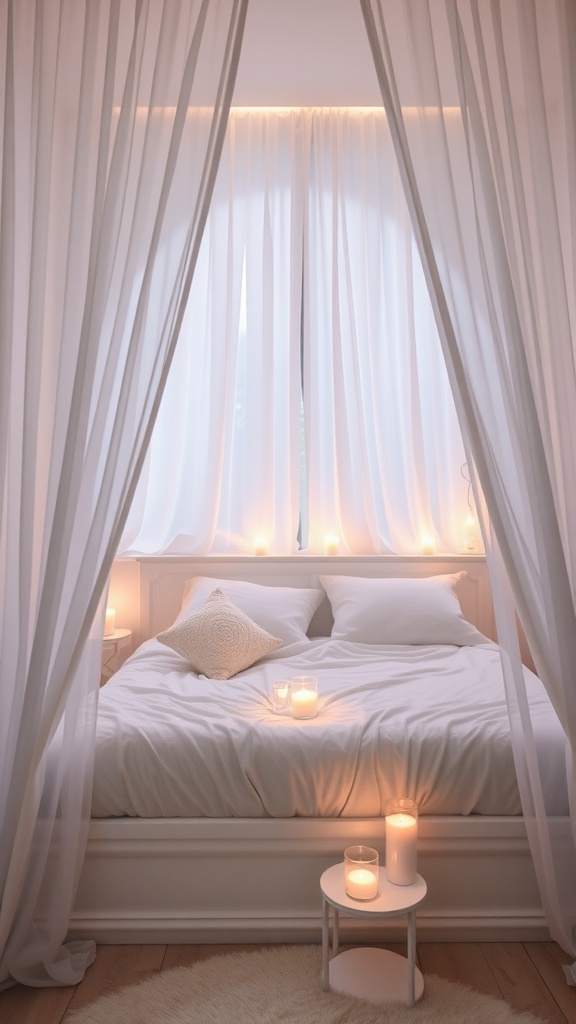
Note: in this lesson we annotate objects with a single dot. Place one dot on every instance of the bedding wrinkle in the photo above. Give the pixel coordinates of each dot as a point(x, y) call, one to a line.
point(429, 722)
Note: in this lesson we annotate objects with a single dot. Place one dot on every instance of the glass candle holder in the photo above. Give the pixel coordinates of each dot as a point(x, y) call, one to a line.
point(304, 696)
point(401, 840)
point(281, 696)
point(361, 871)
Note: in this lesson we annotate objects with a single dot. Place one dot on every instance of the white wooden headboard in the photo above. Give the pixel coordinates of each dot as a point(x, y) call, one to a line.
point(162, 581)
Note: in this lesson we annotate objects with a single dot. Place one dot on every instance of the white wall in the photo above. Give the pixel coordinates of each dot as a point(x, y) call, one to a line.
point(305, 53)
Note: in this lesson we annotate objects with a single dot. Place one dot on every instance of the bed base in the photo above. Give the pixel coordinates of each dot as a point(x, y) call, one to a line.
point(257, 880)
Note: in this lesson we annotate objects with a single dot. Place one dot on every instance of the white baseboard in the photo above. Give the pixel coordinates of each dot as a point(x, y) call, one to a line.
point(257, 880)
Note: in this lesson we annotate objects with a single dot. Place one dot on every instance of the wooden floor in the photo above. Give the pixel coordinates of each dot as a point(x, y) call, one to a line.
point(527, 975)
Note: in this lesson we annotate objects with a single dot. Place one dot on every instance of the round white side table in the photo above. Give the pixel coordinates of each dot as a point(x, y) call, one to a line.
point(378, 975)
point(112, 645)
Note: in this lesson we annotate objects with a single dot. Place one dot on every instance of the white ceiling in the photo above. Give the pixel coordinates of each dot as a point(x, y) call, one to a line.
point(305, 53)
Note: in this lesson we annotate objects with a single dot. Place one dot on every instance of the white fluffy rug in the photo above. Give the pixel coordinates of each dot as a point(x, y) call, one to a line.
point(281, 986)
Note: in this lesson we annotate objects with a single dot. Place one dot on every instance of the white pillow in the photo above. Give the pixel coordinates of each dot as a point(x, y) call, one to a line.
point(285, 612)
point(219, 640)
point(399, 611)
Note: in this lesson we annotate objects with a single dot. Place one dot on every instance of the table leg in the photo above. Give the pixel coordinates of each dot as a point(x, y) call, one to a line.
point(325, 947)
point(109, 661)
point(411, 957)
point(336, 933)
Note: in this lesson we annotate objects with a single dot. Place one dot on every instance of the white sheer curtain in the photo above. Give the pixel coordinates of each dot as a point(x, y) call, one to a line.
point(223, 467)
point(307, 261)
point(98, 102)
point(384, 446)
point(480, 98)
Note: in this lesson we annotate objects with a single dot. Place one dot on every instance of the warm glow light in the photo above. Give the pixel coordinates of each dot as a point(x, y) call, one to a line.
point(171, 110)
point(331, 542)
point(304, 696)
point(261, 545)
point(304, 704)
point(110, 622)
point(469, 544)
point(361, 884)
point(427, 545)
point(424, 109)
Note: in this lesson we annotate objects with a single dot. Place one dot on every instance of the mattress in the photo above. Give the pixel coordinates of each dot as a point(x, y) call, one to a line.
point(425, 722)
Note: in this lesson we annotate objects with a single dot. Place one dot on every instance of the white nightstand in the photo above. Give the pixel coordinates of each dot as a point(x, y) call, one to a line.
point(115, 650)
point(378, 975)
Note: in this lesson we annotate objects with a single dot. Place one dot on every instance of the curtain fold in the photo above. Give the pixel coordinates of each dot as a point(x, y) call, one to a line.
point(106, 108)
point(480, 98)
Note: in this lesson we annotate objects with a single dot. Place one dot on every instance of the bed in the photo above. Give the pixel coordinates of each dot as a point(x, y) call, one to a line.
point(213, 816)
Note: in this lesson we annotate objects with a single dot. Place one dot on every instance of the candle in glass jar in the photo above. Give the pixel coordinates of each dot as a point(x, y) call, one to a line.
point(401, 842)
point(361, 872)
point(361, 884)
point(304, 696)
point(110, 622)
point(304, 703)
point(281, 696)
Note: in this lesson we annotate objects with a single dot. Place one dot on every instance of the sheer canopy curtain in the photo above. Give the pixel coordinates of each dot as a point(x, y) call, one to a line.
point(285, 418)
point(480, 97)
point(112, 120)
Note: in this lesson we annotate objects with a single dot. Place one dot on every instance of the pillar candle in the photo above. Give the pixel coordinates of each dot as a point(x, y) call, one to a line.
point(401, 841)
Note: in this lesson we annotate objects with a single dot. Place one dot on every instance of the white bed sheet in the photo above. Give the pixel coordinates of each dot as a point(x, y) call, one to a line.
point(426, 722)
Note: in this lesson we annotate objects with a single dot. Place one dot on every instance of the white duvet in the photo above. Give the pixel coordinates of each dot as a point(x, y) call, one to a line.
point(426, 722)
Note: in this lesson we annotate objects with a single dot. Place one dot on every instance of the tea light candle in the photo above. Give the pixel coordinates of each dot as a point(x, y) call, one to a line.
point(401, 844)
point(281, 696)
point(304, 703)
point(110, 621)
point(361, 884)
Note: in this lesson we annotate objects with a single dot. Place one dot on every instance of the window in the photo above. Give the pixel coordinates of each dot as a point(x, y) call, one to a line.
point(308, 398)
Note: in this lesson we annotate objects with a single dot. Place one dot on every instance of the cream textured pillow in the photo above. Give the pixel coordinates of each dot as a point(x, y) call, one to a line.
point(399, 611)
point(219, 640)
